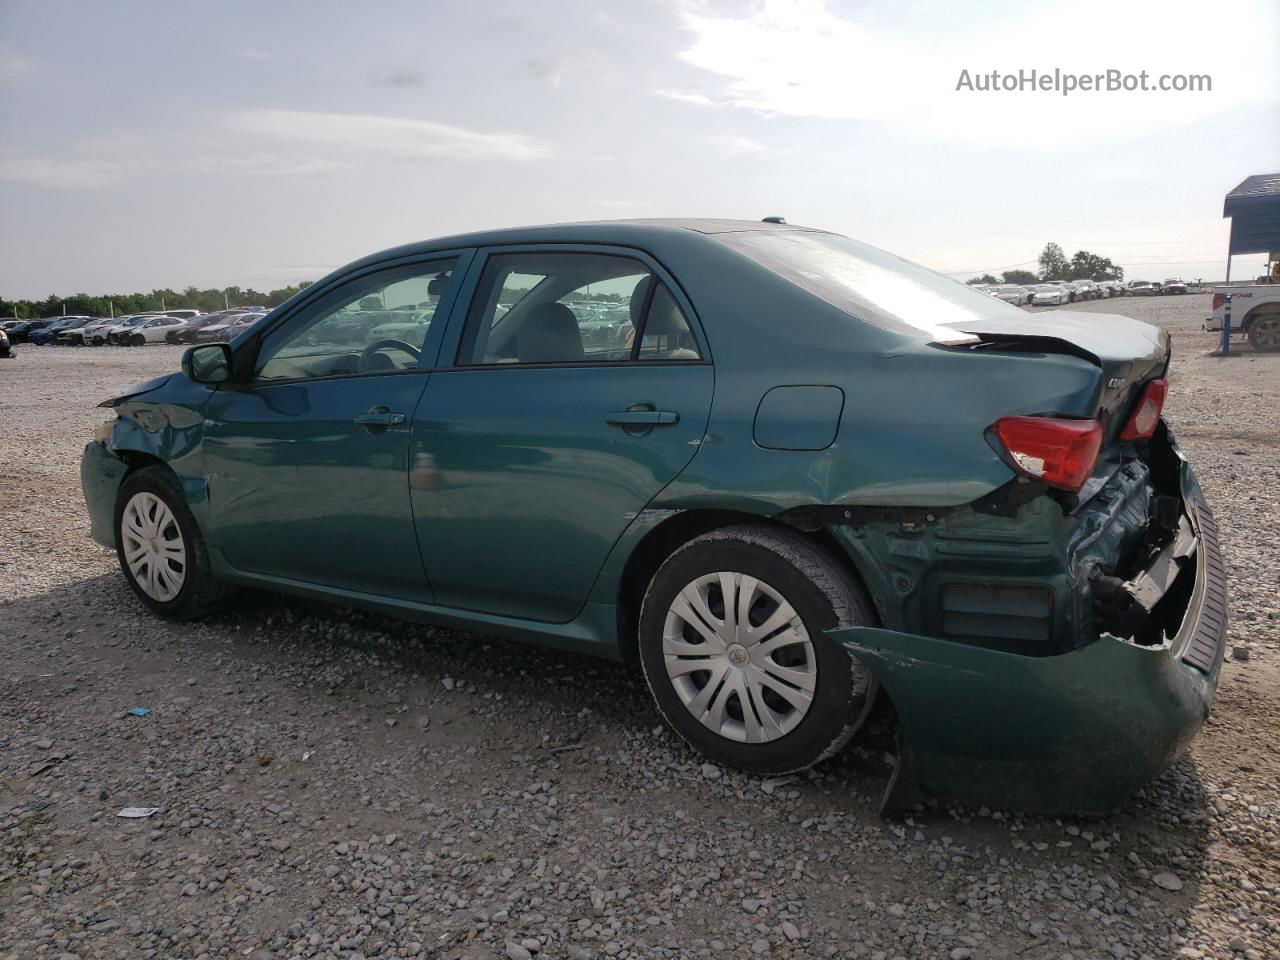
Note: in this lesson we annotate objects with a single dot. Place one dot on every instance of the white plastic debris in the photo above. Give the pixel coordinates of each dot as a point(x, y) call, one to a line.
point(136, 813)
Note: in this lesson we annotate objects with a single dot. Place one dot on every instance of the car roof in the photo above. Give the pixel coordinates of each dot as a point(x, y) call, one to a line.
point(638, 232)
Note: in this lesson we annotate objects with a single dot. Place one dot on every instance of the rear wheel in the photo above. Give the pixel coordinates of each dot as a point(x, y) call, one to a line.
point(1264, 333)
point(160, 548)
point(734, 651)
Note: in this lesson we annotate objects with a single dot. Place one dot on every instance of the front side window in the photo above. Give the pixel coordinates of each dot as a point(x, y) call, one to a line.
point(561, 308)
point(373, 324)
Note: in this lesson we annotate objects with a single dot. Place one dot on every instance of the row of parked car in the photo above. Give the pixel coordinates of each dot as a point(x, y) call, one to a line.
point(133, 330)
point(1055, 292)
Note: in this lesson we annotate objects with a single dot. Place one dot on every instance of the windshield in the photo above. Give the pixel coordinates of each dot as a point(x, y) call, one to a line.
point(869, 284)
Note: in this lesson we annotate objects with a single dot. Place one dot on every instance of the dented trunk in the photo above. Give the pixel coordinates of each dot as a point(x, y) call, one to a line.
point(1128, 352)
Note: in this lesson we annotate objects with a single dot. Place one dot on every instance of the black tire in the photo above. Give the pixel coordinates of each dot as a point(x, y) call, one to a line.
point(200, 593)
point(137, 340)
point(823, 596)
point(1264, 333)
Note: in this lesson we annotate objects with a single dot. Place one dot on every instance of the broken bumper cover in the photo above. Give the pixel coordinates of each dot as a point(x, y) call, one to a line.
point(1079, 732)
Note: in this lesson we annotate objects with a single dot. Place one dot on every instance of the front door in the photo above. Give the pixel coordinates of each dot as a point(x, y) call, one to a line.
point(580, 389)
point(308, 461)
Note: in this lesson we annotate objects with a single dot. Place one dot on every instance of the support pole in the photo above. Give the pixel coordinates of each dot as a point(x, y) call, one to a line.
point(1226, 327)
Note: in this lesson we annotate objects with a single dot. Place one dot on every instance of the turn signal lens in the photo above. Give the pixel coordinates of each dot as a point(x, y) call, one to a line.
point(1142, 423)
point(1062, 453)
point(1218, 300)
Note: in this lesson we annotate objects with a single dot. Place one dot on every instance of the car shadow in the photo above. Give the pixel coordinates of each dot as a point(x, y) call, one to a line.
point(1163, 831)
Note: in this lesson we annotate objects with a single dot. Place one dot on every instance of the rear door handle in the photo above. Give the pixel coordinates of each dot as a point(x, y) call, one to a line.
point(379, 417)
point(643, 418)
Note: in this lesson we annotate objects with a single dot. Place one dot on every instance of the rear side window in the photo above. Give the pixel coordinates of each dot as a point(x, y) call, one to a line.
point(568, 308)
point(870, 284)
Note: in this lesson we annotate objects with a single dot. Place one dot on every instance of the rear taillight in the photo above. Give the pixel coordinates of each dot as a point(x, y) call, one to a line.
point(1218, 300)
point(1142, 422)
point(1062, 453)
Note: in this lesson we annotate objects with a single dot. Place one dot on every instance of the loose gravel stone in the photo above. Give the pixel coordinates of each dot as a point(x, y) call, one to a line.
point(295, 821)
point(1167, 880)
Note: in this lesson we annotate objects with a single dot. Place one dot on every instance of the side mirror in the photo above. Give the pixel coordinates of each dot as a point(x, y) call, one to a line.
point(208, 363)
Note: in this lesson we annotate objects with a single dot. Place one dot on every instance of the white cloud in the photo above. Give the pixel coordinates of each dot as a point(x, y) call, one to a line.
point(14, 64)
point(72, 173)
point(798, 58)
point(397, 137)
point(737, 145)
point(264, 164)
point(790, 57)
point(87, 172)
point(313, 143)
point(698, 99)
point(105, 161)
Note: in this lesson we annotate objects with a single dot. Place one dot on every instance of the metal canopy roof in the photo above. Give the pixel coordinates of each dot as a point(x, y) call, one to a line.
point(1254, 209)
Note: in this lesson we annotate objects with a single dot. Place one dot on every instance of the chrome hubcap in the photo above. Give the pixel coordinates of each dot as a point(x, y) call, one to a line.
point(1267, 335)
point(153, 546)
point(739, 657)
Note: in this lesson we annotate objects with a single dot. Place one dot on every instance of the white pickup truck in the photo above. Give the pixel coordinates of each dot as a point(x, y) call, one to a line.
point(1255, 312)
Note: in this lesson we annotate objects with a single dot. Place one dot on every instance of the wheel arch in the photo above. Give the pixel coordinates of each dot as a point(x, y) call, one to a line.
point(1262, 309)
point(673, 533)
point(136, 460)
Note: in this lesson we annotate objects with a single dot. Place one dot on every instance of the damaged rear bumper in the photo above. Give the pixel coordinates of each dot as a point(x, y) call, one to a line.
point(1076, 732)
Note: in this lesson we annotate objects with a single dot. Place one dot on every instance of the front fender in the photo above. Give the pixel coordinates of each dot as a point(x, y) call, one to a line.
point(166, 423)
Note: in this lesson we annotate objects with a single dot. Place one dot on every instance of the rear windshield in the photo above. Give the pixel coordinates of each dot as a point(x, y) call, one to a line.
point(870, 284)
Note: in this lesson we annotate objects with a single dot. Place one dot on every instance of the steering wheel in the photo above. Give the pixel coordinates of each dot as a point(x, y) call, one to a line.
point(377, 345)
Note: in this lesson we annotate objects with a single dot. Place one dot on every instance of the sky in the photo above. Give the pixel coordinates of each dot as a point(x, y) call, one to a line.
point(149, 144)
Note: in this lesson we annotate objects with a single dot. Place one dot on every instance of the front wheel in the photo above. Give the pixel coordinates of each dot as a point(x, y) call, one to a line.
point(138, 340)
point(734, 649)
point(160, 548)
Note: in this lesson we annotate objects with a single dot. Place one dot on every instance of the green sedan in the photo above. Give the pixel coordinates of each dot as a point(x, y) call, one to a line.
point(799, 473)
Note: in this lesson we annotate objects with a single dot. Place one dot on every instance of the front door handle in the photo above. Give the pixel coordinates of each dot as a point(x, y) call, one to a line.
point(643, 418)
point(380, 417)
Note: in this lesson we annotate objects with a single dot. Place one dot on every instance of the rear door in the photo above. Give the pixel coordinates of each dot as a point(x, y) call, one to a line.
point(579, 387)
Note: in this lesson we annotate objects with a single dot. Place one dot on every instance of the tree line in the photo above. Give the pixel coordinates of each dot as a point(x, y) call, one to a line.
point(119, 304)
point(1054, 265)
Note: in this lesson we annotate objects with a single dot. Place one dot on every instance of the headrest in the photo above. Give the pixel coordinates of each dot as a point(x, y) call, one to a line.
point(638, 297)
point(549, 334)
point(664, 315)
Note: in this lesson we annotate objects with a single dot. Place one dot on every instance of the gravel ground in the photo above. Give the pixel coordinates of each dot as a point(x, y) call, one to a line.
point(333, 784)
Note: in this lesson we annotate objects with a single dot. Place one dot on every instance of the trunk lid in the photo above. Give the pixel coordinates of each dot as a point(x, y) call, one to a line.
point(1128, 352)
